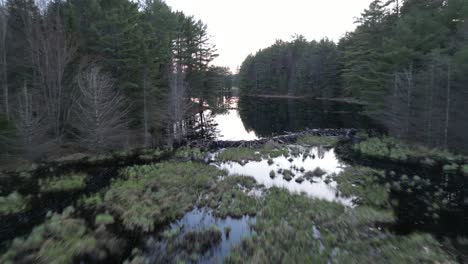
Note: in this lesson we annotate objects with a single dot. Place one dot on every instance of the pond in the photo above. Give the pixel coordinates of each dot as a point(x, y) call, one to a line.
point(301, 167)
point(250, 118)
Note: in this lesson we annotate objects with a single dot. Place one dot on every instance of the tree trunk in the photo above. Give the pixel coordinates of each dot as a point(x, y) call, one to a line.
point(447, 108)
point(145, 108)
point(3, 33)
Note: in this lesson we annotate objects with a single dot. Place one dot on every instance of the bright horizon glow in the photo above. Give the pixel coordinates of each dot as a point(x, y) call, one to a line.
point(242, 27)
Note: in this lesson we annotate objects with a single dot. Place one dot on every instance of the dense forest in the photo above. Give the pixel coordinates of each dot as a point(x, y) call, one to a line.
point(407, 60)
point(103, 74)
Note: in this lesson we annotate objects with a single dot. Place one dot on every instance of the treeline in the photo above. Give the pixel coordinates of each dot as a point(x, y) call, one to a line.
point(293, 68)
point(100, 73)
point(408, 60)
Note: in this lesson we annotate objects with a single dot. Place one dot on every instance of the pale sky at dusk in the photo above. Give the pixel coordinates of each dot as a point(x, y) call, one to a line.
point(241, 27)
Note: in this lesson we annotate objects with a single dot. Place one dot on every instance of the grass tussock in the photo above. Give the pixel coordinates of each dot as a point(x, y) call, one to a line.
point(73, 182)
point(230, 197)
point(297, 229)
point(269, 151)
point(364, 184)
point(151, 195)
point(60, 239)
point(13, 203)
point(391, 148)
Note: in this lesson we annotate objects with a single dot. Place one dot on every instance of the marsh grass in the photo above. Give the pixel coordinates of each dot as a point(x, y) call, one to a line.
point(189, 153)
point(13, 203)
point(229, 197)
point(302, 230)
point(391, 148)
point(199, 242)
point(269, 150)
point(151, 195)
point(309, 140)
point(365, 184)
point(239, 154)
point(72, 182)
point(60, 239)
point(104, 219)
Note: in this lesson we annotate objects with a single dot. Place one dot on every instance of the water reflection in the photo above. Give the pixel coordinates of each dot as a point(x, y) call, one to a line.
point(202, 219)
point(321, 187)
point(248, 118)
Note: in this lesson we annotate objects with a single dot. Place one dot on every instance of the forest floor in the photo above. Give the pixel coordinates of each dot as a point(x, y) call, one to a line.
point(193, 206)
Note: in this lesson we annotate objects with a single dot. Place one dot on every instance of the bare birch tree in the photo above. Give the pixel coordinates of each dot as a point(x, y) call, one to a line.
point(101, 111)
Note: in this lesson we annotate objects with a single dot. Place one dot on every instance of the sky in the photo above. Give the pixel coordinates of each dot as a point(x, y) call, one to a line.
point(242, 27)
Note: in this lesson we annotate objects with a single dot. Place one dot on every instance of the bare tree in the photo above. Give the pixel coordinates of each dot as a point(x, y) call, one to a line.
point(30, 124)
point(52, 51)
point(101, 111)
point(3, 57)
point(178, 105)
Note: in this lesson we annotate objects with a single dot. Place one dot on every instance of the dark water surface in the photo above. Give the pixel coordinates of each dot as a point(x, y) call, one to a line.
point(250, 118)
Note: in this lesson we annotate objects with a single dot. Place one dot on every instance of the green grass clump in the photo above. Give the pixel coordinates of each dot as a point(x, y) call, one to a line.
point(272, 174)
point(268, 150)
point(189, 153)
point(13, 203)
point(309, 140)
point(184, 247)
point(450, 168)
point(71, 182)
point(171, 233)
point(227, 230)
point(229, 197)
point(297, 229)
point(387, 147)
point(150, 195)
point(288, 175)
point(465, 170)
point(199, 242)
point(104, 219)
point(363, 183)
point(239, 154)
point(59, 239)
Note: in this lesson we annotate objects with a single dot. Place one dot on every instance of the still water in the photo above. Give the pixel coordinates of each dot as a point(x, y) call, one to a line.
point(320, 186)
point(250, 118)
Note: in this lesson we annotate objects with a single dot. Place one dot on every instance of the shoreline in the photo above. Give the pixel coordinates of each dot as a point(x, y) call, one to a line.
point(285, 96)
